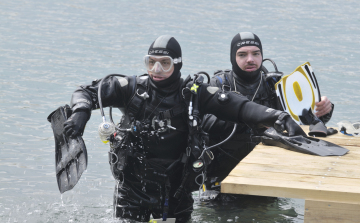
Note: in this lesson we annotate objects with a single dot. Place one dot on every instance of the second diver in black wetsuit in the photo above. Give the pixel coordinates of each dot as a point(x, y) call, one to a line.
point(248, 78)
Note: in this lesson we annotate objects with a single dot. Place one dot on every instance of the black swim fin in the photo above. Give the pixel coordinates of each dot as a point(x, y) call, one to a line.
point(300, 143)
point(318, 130)
point(70, 154)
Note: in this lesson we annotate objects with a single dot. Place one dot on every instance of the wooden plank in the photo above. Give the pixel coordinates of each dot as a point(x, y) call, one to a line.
point(339, 171)
point(280, 153)
point(318, 181)
point(302, 190)
point(354, 151)
point(331, 212)
point(298, 164)
point(329, 185)
point(278, 150)
point(351, 156)
point(295, 159)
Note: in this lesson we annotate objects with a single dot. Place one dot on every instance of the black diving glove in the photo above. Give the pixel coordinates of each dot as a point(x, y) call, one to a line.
point(75, 124)
point(285, 122)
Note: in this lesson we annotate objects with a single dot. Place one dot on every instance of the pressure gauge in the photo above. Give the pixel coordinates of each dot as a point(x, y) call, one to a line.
point(198, 164)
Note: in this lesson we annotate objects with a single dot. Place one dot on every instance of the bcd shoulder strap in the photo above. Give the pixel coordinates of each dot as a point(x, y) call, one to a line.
point(140, 95)
point(135, 105)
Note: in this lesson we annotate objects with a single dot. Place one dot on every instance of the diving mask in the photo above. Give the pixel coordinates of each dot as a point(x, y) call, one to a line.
point(160, 63)
point(348, 128)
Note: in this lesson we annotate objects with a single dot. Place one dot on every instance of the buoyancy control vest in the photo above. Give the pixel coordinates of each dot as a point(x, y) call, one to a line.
point(136, 129)
point(240, 144)
point(265, 93)
point(128, 144)
point(130, 158)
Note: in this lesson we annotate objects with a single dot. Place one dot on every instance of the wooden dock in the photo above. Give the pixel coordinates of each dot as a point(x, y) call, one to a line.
point(330, 185)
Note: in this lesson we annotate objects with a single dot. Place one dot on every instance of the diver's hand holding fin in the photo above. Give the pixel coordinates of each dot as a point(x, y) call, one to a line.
point(323, 107)
point(75, 124)
point(316, 126)
point(70, 153)
point(285, 122)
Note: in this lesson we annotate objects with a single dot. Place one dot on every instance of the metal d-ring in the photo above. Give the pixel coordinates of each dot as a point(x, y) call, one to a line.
point(117, 158)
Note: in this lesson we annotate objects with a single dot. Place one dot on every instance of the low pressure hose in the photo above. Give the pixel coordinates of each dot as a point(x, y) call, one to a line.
point(105, 129)
point(99, 94)
point(235, 125)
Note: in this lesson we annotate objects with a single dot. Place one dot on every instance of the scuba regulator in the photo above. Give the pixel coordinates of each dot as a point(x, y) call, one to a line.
point(106, 129)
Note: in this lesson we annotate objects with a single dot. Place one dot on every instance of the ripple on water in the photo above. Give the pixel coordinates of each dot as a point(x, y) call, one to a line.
point(49, 49)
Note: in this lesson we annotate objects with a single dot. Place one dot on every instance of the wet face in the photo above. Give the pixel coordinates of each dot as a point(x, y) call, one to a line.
point(249, 58)
point(158, 65)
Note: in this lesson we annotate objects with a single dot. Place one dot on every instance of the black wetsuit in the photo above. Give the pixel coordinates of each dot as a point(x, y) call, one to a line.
point(144, 185)
point(228, 155)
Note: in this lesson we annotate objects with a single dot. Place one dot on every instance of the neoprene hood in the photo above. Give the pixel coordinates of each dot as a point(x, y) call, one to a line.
point(240, 40)
point(167, 46)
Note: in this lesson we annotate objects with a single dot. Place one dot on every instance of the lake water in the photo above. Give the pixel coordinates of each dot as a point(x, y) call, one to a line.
point(48, 48)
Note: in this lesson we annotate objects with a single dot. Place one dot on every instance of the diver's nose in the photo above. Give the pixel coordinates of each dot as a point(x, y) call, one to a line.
point(157, 67)
point(250, 58)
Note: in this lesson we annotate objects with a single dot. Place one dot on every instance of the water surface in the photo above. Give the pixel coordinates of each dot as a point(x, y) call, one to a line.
point(49, 48)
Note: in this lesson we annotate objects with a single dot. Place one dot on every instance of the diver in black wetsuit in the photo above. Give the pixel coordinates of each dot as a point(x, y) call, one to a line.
point(248, 78)
point(150, 161)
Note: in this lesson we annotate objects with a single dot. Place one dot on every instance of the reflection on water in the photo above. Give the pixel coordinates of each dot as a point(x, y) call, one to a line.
point(49, 48)
point(78, 208)
point(246, 208)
